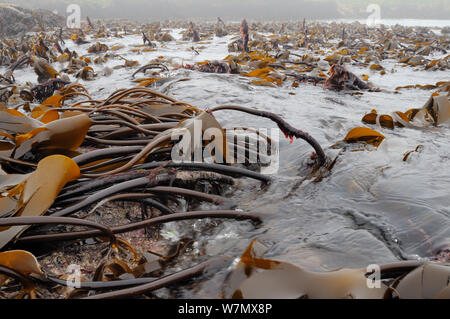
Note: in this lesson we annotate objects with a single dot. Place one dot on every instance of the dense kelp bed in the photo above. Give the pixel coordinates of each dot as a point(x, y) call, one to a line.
point(88, 176)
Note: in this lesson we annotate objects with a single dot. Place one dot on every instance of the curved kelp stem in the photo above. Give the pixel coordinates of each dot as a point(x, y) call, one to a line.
point(228, 214)
point(164, 281)
point(92, 156)
point(141, 155)
point(99, 285)
point(26, 281)
point(218, 168)
point(137, 182)
point(50, 220)
point(165, 190)
point(138, 197)
point(84, 186)
point(285, 127)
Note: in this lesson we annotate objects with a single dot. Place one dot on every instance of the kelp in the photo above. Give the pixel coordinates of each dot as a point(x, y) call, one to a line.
point(130, 173)
point(364, 135)
point(435, 111)
point(254, 277)
point(15, 122)
point(20, 265)
point(36, 193)
point(289, 131)
point(357, 139)
point(229, 214)
point(57, 186)
point(21, 261)
point(62, 134)
point(164, 281)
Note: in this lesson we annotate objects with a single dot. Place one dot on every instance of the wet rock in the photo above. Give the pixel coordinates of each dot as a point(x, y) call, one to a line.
point(44, 90)
point(391, 44)
point(342, 79)
point(211, 67)
point(164, 37)
point(426, 50)
point(194, 33)
point(416, 60)
point(97, 48)
point(220, 32)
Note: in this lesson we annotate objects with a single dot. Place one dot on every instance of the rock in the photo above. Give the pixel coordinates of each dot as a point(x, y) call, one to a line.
point(342, 79)
point(416, 60)
point(220, 32)
point(391, 44)
point(15, 20)
point(426, 50)
point(97, 48)
point(164, 37)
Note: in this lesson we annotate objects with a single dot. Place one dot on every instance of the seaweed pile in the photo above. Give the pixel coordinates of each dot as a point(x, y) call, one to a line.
point(87, 179)
point(59, 161)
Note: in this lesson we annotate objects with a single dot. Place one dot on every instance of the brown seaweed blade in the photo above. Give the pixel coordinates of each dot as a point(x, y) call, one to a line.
point(258, 278)
point(38, 191)
point(21, 265)
point(13, 121)
point(21, 261)
point(63, 134)
point(430, 280)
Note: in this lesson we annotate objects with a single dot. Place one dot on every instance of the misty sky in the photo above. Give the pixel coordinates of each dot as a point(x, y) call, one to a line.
point(253, 9)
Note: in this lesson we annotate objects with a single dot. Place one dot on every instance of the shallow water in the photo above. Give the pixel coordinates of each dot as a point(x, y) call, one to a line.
point(372, 208)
